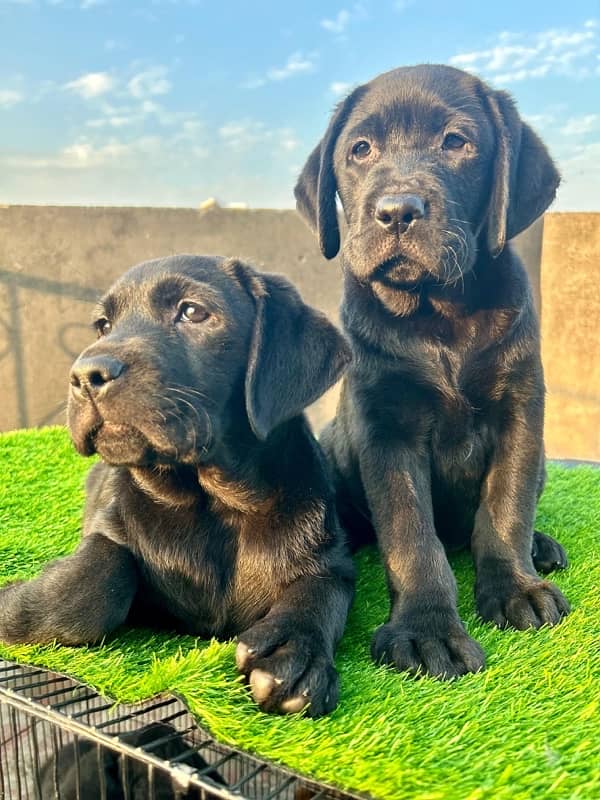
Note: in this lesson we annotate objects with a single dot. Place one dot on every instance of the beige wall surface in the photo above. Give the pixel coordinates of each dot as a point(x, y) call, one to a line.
point(56, 261)
point(570, 289)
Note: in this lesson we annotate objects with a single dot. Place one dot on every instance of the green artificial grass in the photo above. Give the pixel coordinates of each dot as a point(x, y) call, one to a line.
point(529, 726)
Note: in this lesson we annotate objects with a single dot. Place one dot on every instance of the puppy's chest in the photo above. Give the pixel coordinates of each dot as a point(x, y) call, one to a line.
point(187, 563)
point(440, 399)
point(215, 575)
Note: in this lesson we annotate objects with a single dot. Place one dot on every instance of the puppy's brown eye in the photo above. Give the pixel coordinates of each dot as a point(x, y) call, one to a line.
point(361, 150)
point(103, 326)
point(192, 312)
point(452, 141)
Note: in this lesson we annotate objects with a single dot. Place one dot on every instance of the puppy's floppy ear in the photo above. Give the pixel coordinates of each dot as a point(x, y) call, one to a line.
point(316, 188)
point(296, 354)
point(525, 178)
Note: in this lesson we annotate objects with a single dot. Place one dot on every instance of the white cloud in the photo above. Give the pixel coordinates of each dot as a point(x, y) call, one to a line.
point(253, 83)
point(298, 63)
point(242, 135)
point(579, 126)
point(246, 134)
point(114, 121)
point(339, 24)
point(91, 85)
point(339, 88)
point(84, 154)
point(122, 116)
point(542, 120)
point(150, 82)
point(85, 5)
point(516, 56)
point(9, 98)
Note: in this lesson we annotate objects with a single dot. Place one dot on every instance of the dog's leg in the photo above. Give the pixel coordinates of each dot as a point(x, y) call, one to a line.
point(76, 600)
point(548, 555)
point(288, 655)
point(424, 633)
point(508, 591)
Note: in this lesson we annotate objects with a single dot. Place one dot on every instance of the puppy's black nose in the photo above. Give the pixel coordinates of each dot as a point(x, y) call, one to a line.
point(95, 372)
point(396, 212)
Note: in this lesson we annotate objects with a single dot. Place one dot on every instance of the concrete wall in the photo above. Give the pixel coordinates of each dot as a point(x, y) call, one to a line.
point(570, 290)
point(56, 261)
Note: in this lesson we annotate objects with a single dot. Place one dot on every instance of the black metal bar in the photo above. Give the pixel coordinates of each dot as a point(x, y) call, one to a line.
point(54, 692)
point(55, 764)
point(16, 745)
point(82, 699)
point(77, 768)
point(26, 686)
point(29, 674)
point(138, 712)
point(167, 738)
point(235, 786)
point(91, 711)
point(35, 759)
point(287, 782)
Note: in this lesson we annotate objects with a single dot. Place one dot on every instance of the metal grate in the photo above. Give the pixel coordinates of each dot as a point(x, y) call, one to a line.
point(61, 740)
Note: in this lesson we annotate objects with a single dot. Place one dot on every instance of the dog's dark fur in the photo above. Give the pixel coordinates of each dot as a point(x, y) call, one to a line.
point(437, 442)
point(212, 512)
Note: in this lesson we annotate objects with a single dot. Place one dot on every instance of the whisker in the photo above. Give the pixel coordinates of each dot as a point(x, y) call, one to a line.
point(180, 387)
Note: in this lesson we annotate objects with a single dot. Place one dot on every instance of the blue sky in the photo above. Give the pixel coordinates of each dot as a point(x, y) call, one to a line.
point(170, 102)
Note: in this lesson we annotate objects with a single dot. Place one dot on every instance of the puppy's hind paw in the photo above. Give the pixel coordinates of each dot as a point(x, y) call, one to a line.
point(511, 604)
point(548, 555)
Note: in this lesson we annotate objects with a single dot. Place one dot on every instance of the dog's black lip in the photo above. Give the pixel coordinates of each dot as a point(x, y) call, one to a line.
point(382, 275)
point(89, 442)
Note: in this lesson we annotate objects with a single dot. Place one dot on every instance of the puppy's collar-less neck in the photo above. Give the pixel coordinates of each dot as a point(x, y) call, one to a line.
point(172, 487)
point(484, 288)
point(237, 487)
point(238, 492)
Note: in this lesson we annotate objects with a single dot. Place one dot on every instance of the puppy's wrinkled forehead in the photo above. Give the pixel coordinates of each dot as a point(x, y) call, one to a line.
point(417, 101)
point(154, 286)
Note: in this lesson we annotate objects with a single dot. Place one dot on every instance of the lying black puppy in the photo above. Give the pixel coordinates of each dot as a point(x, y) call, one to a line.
point(437, 440)
point(93, 771)
point(212, 512)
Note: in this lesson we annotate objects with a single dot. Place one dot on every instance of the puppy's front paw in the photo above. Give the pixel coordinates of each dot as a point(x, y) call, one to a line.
point(521, 603)
point(420, 646)
point(287, 667)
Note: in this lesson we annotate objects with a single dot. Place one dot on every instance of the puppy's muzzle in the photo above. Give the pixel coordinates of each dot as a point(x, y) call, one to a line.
point(396, 213)
point(93, 375)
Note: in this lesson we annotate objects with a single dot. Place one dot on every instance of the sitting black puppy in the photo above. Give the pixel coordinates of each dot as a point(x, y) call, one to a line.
point(437, 443)
point(212, 512)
